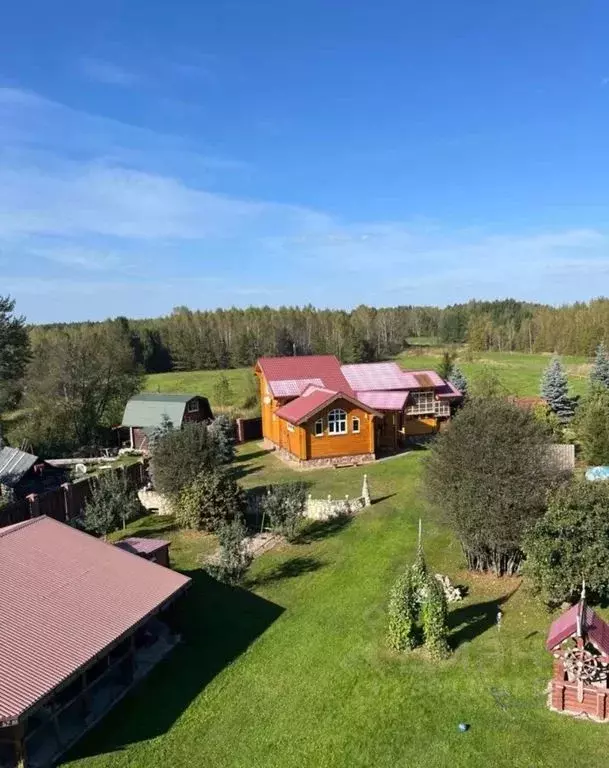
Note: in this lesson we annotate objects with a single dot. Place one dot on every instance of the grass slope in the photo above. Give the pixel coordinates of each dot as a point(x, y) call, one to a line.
point(293, 671)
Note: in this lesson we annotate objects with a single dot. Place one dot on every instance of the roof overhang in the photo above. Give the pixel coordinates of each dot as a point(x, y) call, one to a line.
point(331, 399)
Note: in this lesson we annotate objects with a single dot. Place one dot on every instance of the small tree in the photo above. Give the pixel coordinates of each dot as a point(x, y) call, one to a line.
point(445, 365)
point(458, 380)
point(179, 455)
point(284, 505)
point(251, 393)
point(212, 498)
point(234, 556)
point(599, 375)
point(486, 384)
point(112, 504)
point(571, 543)
point(489, 474)
point(592, 426)
point(555, 391)
point(550, 421)
point(222, 431)
point(223, 393)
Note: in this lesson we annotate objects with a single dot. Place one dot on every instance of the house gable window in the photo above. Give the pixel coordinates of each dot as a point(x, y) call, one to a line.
point(355, 425)
point(337, 422)
point(319, 428)
point(193, 406)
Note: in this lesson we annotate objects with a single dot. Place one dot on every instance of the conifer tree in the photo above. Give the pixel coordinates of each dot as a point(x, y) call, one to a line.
point(599, 374)
point(555, 391)
point(458, 380)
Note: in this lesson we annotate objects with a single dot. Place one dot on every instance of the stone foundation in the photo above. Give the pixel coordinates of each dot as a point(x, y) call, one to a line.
point(329, 461)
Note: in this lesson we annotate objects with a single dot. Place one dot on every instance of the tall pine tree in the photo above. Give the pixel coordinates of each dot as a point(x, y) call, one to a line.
point(555, 391)
point(600, 370)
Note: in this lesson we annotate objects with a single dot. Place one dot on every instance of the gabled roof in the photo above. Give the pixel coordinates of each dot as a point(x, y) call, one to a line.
point(324, 370)
point(14, 464)
point(569, 624)
point(66, 597)
point(148, 409)
point(312, 401)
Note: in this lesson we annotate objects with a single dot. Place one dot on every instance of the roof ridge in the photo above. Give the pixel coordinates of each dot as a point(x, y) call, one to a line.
point(8, 529)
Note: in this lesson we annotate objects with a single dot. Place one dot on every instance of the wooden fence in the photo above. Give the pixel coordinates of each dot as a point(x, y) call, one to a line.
point(68, 501)
point(248, 429)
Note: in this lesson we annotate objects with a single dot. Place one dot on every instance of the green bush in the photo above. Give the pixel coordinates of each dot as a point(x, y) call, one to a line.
point(178, 456)
point(214, 497)
point(234, 557)
point(284, 505)
point(112, 504)
point(592, 426)
point(434, 618)
point(401, 624)
point(571, 543)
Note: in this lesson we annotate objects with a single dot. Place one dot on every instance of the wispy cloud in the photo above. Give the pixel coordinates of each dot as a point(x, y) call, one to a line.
point(108, 72)
point(100, 218)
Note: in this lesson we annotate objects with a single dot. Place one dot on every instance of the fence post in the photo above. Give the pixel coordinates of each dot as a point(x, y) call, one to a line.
point(67, 500)
point(34, 503)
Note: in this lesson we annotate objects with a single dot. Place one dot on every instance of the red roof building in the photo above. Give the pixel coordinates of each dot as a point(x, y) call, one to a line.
point(79, 624)
point(316, 411)
point(579, 642)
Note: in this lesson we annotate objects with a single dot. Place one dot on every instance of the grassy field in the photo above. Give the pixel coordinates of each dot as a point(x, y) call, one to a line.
point(293, 671)
point(520, 373)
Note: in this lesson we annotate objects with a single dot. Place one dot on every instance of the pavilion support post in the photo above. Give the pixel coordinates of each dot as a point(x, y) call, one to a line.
point(20, 748)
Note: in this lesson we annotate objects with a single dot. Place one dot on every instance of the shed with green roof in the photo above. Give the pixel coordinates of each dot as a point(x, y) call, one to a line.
point(147, 411)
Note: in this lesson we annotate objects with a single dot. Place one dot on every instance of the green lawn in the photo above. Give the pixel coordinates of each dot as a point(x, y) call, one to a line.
point(519, 372)
point(293, 671)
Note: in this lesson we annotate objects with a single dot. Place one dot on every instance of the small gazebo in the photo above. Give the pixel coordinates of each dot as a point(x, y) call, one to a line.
point(579, 642)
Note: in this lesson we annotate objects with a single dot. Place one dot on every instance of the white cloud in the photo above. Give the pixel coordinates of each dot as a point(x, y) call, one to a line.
point(107, 72)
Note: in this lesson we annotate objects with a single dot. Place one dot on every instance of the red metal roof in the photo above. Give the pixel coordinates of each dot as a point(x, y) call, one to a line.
point(321, 367)
point(66, 596)
point(384, 401)
point(367, 377)
point(292, 387)
point(141, 546)
point(313, 400)
point(593, 626)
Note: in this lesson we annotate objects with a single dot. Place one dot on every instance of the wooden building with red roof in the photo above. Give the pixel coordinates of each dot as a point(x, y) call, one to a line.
point(579, 643)
point(317, 411)
point(81, 621)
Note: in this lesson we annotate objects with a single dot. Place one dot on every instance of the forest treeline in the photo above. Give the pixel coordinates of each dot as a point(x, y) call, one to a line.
point(230, 338)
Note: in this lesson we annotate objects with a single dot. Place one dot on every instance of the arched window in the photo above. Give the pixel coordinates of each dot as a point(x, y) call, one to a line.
point(337, 422)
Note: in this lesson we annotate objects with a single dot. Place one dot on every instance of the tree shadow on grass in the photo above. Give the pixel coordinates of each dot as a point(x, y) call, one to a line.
point(321, 529)
point(152, 532)
point(243, 458)
point(289, 569)
point(471, 621)
point(218, 623)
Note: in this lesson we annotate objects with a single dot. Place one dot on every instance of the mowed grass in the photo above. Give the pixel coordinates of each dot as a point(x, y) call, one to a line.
point(293, 671)
point(520, 373)
point(203, 383)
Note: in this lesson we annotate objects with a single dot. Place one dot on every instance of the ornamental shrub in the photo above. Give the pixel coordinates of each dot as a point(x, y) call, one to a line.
point(571, 543)
point(214, 497)
point(457, 379)
point(234, 556)
point(401, 625)
point(599, 375)
point(434, 618)
point(284, 504)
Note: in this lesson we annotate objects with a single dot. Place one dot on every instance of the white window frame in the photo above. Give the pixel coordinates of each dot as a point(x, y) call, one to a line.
point(316, 432)
point(356, 420)
point(290, 427)
point(421, 404)
point(337, 422)
point(193, 406)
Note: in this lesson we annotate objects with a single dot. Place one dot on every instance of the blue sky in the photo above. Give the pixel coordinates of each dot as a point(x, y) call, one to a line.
point(293, 151)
